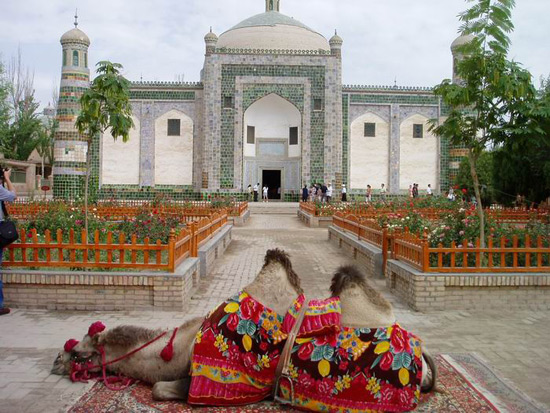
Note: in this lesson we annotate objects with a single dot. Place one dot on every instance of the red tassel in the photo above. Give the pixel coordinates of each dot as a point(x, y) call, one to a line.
point(95, 328)
point(70, 344)
point(168, 351)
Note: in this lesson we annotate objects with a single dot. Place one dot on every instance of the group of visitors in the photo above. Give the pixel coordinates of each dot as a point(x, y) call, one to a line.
point(383, 193)
point(413, 190)
point(317, 193)
point(253, 192)
point(6, 195)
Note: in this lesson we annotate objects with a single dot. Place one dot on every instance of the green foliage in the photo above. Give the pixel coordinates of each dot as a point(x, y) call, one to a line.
point(413, 221)
point(106, 104)
point(23, 134)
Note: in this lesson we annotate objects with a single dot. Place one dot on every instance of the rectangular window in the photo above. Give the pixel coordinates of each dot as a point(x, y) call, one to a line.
point(418, 131)
point(250, 134)
point(174, 127)
point(370, 130)
point(86, 60)
point(227, 102)
point(75, 58)
point(64, 58)
point(293, 136)
point(317, 104)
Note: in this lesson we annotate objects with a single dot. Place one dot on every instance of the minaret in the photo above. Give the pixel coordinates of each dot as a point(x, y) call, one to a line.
point(271, 5)
point(458, 54)
point(336, 45)
point(210, 41)
point(70, 148)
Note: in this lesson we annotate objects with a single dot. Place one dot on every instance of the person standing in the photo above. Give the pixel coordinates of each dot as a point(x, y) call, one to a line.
point(329, 193)
point(256, 188)
point(324, 193)
point(415, 190)
point(305, 194)
point(6, 195)
point(383, 193)
point(265, 190)
point(411, 192)
point(368, 196)
point(344, 193)
point(429, 191)
point(313, 193)
point(249, 190)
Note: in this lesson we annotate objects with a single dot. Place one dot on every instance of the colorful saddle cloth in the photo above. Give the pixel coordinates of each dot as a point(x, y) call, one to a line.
point(332, 369)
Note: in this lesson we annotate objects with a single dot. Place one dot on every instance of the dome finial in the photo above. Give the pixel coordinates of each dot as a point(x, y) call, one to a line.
point(272, 5)
point(76, 18)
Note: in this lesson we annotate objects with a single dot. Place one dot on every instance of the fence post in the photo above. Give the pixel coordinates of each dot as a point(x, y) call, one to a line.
point(172, 250)
point(384, 249)
point(425, 256)
point(194, 243)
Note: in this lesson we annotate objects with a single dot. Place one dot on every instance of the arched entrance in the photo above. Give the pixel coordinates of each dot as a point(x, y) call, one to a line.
point(272, 142)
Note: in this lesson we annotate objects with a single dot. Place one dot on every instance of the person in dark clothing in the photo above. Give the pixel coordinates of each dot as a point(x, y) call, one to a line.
point(305, 194)
point(256, 188)
point(6, 195)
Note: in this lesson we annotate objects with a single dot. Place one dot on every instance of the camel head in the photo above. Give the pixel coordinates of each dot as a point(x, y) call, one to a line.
point(362, 305)
point(83, 352)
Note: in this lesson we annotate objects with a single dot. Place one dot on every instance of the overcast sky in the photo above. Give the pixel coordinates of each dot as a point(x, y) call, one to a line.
point(163, 39)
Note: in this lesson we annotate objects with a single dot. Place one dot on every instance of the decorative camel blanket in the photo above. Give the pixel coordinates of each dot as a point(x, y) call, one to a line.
point(333, 369)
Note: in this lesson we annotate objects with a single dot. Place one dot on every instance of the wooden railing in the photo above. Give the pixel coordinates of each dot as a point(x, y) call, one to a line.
point(497, 257)
point(115, 252)
point(185, 212)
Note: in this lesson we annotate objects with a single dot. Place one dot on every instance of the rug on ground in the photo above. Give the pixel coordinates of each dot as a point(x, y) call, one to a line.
point(466, 385)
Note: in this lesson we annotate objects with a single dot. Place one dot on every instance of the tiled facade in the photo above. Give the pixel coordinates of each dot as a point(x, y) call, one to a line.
point(232, 80)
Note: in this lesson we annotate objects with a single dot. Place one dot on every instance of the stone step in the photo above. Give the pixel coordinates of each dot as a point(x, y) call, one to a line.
point(278, 208)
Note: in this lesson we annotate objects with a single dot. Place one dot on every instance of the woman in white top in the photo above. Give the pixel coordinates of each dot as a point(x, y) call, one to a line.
point(264, 196)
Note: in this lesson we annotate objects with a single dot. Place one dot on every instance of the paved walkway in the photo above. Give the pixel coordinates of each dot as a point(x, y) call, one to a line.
point(514, 343)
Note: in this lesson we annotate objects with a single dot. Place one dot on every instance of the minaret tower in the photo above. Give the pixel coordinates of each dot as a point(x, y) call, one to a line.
point(70, 148)
point(272, 5)
point(458, 53)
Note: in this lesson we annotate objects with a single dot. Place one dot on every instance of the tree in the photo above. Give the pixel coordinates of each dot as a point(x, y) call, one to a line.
point(4, 106)
point(105, 105)
point(495, 97)
point(484, 173)
point(46, 142)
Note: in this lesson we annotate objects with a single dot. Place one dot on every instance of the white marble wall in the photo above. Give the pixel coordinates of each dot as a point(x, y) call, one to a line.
point(120, 160)
point(173, 154)
point(369, 156)
point(419, 157)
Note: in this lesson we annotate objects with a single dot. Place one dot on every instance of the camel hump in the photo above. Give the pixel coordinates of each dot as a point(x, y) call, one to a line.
point(345, 276)
point(277, 255)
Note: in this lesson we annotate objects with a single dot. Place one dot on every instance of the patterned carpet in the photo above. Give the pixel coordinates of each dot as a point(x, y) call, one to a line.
point(466, 385)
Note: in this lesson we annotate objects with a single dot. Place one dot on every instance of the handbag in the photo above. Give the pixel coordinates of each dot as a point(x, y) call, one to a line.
point(8, 230)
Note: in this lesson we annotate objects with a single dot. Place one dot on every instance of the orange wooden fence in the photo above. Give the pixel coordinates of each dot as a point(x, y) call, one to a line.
point(115, 252)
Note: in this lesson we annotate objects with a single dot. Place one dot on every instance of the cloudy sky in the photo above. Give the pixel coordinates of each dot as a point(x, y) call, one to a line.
point(163, 39)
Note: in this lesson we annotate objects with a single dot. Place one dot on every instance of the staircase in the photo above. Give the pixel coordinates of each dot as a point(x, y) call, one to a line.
point(275, 208)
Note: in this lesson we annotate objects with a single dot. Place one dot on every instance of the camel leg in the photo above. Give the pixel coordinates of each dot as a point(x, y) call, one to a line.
point(172, 390)
point(429, 373)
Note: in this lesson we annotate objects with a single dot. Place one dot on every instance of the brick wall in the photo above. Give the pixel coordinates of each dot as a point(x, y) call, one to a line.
point(436, 292)
point(100, 291)
point(365, 255)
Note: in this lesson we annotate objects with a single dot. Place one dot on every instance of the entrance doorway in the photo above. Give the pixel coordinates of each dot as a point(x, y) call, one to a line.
point(272, 179)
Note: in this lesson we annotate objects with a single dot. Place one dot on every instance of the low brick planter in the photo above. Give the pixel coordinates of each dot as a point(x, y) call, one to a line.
point(436, 291)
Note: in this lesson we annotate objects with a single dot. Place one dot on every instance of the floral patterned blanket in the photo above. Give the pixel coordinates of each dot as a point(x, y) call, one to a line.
point(332, 368)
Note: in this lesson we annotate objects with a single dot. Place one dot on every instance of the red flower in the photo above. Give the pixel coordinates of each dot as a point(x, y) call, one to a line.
point(330, 339)
point(400, 340)
point(325, 386)
point(251, 309)
point(343, 365)
point(387, 393)
point(464, 191)
point(232, 322)
point(305, 380)
point(234, 353)
point(387, 360)
point(249, 360)
point(305, 351)
point(406, 396)
point(29, 234)
point(343, 353)
point(263, 346)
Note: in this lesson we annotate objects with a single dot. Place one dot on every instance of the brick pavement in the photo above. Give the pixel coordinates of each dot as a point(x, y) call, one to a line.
point(514, 343)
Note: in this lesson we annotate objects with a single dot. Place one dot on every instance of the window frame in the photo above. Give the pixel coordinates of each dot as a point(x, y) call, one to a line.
point(76, 58)
point(416, 127)
point(291, 129)
point(366, 132)
point(169, 130)
point(250, 128)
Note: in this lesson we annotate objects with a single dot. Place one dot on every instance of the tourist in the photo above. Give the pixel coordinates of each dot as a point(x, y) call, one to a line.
point(451, 195)
point(411, 191)
point(265, 190)
point(344, 193)
point(305, 194)
point(383, 193)
point(415, 191)
point(312, 193)
point(249, 190)
point(429, 191)
point(256, 188)
point(323, 192)
point(368, 197)
point(319, 193)
point(6, 195)
point(329, 193)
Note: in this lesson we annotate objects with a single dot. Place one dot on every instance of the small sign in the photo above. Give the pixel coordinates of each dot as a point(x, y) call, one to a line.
point(45, 188)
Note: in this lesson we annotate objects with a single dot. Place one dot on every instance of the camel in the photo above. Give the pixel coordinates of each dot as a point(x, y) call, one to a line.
point(363, 306)
point(276, 286)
